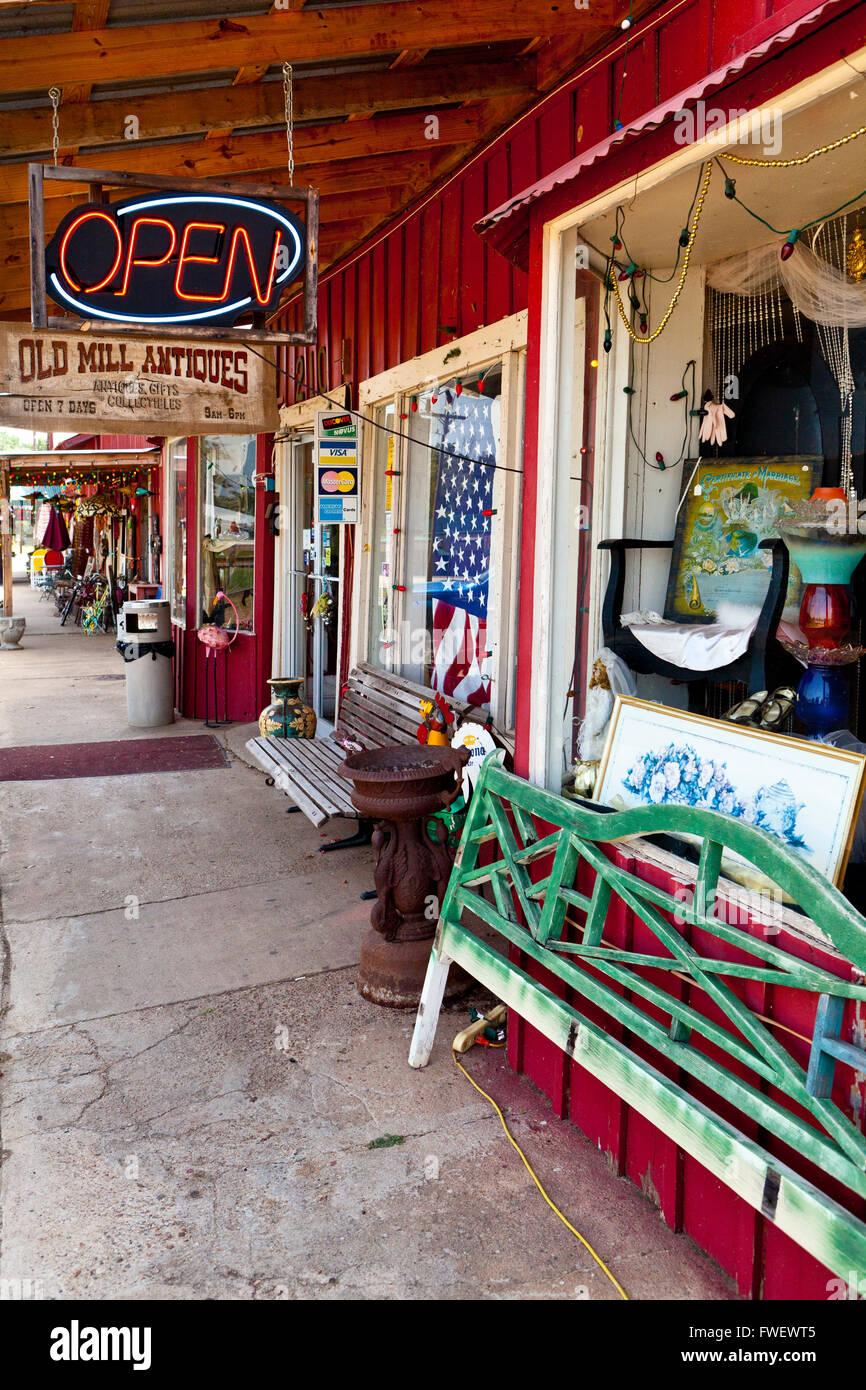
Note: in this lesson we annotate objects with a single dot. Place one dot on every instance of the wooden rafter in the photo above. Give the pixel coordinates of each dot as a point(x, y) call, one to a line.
point(314, 145)
point(193, 46)
point(180, 113)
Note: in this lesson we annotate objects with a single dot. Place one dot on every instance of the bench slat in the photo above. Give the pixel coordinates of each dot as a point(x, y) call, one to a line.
point(371, 714)
point(315, 797)
point(379, 704)
point(275, 768)
point(388, 728)
point(320, 765)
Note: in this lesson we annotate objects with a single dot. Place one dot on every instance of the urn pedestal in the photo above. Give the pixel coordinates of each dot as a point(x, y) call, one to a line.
point(399, 788)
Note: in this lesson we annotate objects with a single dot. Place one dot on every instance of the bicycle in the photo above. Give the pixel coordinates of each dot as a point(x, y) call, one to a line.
point(96, 616)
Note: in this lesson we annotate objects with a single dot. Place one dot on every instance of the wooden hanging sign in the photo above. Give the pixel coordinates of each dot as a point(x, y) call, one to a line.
point(170, 386)
point(195, 258)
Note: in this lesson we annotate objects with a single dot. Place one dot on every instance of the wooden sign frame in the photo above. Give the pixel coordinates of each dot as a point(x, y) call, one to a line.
point(101, 179)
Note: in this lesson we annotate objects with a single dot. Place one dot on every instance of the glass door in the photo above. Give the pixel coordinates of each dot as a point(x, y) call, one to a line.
point(311, 586)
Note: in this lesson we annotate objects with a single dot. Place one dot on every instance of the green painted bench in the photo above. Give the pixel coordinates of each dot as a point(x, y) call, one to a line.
point(510, 819)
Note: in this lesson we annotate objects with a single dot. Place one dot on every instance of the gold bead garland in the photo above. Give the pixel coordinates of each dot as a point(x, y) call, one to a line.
point(636, 338)
point(803, 158)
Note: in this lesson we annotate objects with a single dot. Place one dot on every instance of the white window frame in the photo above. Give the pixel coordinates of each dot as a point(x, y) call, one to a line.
point(504, 341)
point(168, 523)
point(611, 504)
point(295, 422)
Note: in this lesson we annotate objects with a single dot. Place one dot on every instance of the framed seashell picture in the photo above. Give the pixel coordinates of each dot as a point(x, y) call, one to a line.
point(806, 794)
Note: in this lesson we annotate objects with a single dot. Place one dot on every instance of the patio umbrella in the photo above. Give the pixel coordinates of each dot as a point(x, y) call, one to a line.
point(56, 535)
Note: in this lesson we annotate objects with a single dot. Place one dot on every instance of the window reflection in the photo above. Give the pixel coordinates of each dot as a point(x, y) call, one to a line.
point(227, 501)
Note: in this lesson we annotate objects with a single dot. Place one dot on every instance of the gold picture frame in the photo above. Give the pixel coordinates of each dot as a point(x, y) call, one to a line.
point(808, 794)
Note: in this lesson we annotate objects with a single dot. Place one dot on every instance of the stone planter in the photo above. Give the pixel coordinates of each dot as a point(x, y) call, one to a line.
point(11, 632)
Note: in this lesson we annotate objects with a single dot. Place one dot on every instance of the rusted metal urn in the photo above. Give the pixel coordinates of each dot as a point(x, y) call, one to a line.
point(399, 788)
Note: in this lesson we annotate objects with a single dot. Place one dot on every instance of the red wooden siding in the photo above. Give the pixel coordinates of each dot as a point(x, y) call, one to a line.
point(249, 658)
point(431, 278)
point(428, 279)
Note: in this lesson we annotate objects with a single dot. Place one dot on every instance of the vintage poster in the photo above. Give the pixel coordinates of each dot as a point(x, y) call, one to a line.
point(52, 380)
point(731, 505)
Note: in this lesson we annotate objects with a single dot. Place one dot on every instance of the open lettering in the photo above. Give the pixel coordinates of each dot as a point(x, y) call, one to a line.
point(174, 259)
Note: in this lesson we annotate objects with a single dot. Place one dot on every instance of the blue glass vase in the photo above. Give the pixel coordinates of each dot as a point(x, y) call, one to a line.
point(822, 700)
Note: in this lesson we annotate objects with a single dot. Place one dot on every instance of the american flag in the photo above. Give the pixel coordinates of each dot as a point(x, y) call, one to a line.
point(460, 554)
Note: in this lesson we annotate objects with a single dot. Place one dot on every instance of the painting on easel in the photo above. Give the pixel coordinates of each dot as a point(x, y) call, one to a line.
point(731, 505)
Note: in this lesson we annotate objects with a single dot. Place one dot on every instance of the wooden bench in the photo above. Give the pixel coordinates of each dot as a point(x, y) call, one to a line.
point(376, 709)
point(564, 898)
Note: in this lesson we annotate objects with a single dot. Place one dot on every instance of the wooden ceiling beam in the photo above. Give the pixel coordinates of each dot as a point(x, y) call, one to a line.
point(314, 145)
point(183, 113)
point(343, 177)
point(193, 46)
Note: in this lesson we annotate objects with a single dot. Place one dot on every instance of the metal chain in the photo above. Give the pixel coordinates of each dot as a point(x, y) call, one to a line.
point(290, 119)
point(55, 95)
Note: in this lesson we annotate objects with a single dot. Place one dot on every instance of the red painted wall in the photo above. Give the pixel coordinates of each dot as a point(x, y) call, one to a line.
point(244, 670)
point(428, 279)
point(764, 1263)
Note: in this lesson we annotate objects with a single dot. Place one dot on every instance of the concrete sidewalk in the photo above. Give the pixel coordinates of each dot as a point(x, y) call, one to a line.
point(190, 1081)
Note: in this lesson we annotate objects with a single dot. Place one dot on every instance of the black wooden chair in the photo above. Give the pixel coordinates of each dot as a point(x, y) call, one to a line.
point(765, 664)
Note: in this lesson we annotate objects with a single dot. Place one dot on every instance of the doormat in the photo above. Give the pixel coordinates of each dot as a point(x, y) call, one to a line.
point(120, 758)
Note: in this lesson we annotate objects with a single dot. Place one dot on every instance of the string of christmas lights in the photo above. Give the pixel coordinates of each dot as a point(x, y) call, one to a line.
point(636, 276)
point(686, 394)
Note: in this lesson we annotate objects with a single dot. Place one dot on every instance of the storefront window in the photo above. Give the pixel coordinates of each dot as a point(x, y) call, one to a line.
point(442, 518)
point(227, 530)
point(381, 533)
point(175, 578)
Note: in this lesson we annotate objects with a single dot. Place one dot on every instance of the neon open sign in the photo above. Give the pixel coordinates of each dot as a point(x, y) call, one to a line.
point(174, 259)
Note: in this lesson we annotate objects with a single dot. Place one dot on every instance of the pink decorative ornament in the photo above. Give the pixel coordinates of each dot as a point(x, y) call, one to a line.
point(217, 638)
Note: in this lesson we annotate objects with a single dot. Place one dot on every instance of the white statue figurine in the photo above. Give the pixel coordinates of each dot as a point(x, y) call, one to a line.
point(610, 677)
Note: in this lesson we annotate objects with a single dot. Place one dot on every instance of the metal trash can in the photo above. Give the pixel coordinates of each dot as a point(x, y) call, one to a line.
point(144, 641)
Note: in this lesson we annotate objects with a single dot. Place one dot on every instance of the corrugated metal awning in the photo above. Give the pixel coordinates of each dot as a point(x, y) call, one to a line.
point(506, 226)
